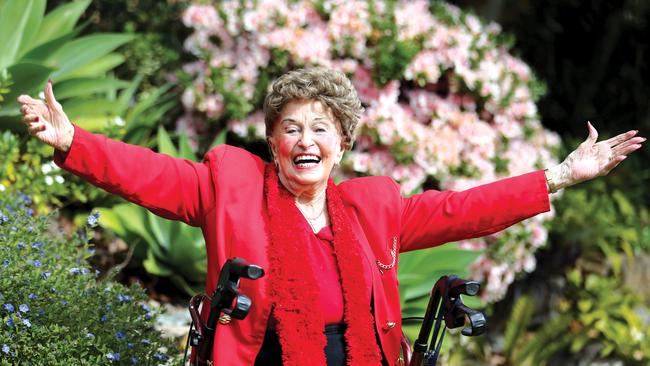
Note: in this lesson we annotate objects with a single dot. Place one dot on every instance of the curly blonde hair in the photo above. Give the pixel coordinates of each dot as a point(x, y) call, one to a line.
point(330, 87)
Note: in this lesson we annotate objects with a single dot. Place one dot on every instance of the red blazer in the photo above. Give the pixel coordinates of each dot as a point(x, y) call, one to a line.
point(223, 196)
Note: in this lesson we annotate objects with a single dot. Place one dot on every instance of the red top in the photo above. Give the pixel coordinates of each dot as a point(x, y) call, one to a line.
point(323, 261)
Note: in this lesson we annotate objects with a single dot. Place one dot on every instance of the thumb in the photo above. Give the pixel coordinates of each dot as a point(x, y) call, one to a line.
point(593, 134)
point(49, 96)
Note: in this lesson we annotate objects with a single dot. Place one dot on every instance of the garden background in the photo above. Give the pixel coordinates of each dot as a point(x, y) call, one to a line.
point(456, 94)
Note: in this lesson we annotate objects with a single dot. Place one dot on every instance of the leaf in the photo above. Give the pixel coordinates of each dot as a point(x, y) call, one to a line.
point(220, 139)
point(14, 16)
point(45, 50)
point(89, 107)
point(60, 21)
point(184, 149)
point(84, 50)
point(165, 144)
point(97, 67)
point(85, 86)
point(28, 78)
point(33, 24)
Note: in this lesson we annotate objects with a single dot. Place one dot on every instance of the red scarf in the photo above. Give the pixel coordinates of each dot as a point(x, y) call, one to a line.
point(293, 288)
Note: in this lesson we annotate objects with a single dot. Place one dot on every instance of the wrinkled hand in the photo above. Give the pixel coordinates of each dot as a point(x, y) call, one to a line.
point(593, 159)
point(46, 120)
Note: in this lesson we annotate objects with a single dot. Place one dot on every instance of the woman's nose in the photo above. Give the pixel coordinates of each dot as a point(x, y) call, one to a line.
point(306, 139)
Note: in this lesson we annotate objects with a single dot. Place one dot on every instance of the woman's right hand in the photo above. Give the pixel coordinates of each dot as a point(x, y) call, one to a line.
point(46, 120)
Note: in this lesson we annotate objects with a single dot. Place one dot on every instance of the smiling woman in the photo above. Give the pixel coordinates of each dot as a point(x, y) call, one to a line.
point(331, 294)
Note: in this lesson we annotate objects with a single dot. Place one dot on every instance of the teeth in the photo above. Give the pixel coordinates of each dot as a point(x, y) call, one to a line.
point(305, 159)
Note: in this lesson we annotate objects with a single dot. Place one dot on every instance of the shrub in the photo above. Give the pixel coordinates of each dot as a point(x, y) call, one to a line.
point(54, 311)
point(446, 105)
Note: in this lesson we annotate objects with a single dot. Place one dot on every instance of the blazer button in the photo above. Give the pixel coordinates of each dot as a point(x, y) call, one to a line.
point(224, 319)
point(389, 325)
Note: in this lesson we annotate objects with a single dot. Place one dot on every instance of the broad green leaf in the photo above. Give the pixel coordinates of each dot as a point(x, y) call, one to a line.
point(85, 86)
point(82, 51)
point(184, 149)
point(45, 50)
point(28, 78)
point(93, 124)
point(60, 21)
point(97, 67)
point(86, 107)
point(33, 24)
point(14, 16)
point(165, 144)
point(220, 139)
point(155, 267)
point(153, 98)
point(127, 95)
point(110, 220)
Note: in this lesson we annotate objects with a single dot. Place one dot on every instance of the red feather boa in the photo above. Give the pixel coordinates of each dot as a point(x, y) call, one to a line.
point(293, 287)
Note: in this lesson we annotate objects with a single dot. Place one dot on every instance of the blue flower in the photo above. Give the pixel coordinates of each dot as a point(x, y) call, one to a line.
point(20, 246)
point(120, 335)
point(134, 360)
point(10, 322)
point(3, 218)
point(5, 263)
point(90, 335)
point(113, 356)
point(37, 244)
point(146, 342)
point(64, 302)
point(92, 219)
point(5, 349)
point(36, 263)
point(103, 318)
point(9, 308)
point(46, 275)
point(160, 356)
point(124, 298)
point(27, 323)
point(32, 296)
point(74, 270)
point(129, 345)
point(23, 308)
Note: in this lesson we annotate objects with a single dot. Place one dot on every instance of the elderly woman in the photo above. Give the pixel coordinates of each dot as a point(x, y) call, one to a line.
point(331, 293)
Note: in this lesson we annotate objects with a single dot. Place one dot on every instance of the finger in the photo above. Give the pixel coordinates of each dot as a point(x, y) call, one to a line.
point(28, 118)
point(620, 138)
point(26, 99)
point(49, 95)
point(593, 134)
point(36, 127)
point(625, 144)
point(629, 149)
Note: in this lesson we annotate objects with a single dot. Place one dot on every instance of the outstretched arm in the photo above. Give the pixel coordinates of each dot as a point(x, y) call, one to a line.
point(173, 188)
point(592, 159)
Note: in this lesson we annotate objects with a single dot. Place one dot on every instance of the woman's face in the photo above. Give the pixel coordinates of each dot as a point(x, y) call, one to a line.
point(306, 143)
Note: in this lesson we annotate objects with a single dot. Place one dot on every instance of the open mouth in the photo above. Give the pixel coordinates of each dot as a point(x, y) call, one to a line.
point(306, 160)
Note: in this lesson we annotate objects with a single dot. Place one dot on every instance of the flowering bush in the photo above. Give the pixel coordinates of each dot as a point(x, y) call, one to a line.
point(447, 106)
point(27, 167)
point(53, 311)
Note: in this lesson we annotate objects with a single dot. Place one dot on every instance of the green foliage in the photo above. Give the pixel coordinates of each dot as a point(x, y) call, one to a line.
point(27, 167)
point(168, 248)
point(35, 47)
point(53, 309)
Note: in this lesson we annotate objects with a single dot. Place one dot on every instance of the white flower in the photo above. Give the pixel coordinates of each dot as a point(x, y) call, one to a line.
point(2, 188)
point(118, 121)
point(49, 180)
point(59, 179)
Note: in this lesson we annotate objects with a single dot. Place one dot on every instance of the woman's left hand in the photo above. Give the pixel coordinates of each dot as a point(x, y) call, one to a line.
point(593, 159)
